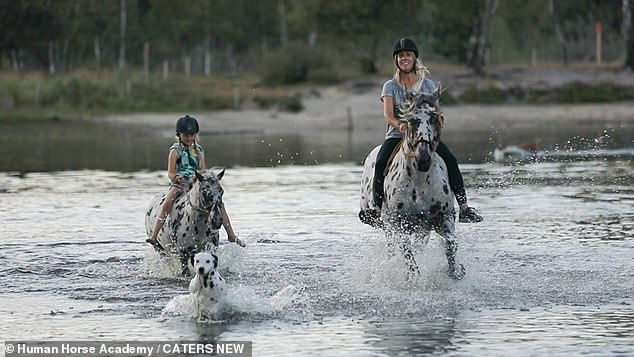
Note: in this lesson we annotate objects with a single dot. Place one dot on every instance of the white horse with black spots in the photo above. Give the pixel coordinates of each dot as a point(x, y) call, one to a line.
point(417, 193)
point(192, 225)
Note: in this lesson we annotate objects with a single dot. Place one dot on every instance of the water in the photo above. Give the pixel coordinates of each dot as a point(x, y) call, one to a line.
point(549, 271)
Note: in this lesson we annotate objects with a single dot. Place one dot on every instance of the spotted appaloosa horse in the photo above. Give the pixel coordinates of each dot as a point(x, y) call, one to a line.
point(417, 193)
point(192, 225)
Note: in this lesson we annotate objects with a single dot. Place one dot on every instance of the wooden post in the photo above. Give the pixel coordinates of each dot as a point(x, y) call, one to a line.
point(188, 66)
point(146, 62)
point(51, 58)
point(166, 69)
point(597, 30)
point(122, 33)
point(96, 47)
point(207, 62)
point(236, 97)
point(38, 90)
point(350, 126)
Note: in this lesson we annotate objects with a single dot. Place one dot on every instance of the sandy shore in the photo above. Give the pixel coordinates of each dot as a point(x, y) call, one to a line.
point(357, 106)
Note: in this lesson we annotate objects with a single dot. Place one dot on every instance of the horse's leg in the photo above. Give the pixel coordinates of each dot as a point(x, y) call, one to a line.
point(406, 248)
point(389, 241)
point(400, 232)
point(186, 256)
point(455, 271)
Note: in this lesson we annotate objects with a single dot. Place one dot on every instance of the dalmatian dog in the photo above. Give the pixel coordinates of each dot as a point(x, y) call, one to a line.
point(207, 287)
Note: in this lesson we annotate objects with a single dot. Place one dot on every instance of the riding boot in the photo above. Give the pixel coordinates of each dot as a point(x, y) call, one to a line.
point(467, 214)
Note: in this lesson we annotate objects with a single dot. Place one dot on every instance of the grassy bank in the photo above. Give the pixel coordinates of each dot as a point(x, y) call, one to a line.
point(85, 94)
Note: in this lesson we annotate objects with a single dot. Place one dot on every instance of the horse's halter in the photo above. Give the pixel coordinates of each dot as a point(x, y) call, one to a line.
point(201, 207)
point(410, 150)
point(410, 144)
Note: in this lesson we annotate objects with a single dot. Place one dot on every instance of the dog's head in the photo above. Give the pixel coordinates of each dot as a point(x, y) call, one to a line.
point(204, 263)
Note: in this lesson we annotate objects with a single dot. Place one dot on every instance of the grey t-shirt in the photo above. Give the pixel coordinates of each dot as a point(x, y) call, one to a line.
point(392, 89)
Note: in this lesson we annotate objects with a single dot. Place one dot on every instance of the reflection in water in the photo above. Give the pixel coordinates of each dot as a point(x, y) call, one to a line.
point(414, 337)
point(74, 145)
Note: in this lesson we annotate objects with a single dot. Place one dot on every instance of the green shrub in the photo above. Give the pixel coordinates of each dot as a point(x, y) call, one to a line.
point(291, 104)
point(296, 63)
point(487, 95)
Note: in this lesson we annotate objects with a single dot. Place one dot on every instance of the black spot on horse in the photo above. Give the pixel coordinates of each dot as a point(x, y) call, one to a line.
point(414, 195)
point(399, 205)
point(445, 189)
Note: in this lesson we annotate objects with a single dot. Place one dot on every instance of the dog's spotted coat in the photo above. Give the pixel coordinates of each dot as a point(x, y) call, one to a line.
point(207, 287)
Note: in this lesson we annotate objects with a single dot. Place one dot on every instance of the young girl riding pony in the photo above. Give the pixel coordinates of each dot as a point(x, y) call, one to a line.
point(185, 157)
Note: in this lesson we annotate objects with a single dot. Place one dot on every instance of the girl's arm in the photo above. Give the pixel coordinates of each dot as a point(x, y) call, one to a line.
point(201, 162)
point(171, 166)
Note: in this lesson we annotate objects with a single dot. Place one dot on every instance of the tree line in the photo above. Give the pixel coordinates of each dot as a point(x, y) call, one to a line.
point(319, 36)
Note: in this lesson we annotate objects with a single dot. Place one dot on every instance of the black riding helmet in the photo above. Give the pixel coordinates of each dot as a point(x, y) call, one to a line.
point(405, 44)
point(187, 125)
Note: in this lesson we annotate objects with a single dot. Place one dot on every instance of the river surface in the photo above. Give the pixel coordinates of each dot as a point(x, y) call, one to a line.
point(549, 272)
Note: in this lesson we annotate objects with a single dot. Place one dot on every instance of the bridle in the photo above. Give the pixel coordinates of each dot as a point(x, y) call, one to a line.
point(200, 207)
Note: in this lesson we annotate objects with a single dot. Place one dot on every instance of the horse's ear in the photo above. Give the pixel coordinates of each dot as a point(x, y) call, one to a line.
point(222, 173)
point(199, 176)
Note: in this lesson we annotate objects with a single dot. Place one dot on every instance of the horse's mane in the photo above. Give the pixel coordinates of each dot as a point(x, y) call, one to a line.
point(415, 102)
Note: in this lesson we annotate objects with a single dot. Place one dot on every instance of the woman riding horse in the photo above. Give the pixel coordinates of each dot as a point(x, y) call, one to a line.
point(410, 76)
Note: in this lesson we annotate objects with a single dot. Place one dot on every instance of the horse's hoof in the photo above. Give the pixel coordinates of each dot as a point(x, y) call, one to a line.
point(370, 217)
point(457, 273)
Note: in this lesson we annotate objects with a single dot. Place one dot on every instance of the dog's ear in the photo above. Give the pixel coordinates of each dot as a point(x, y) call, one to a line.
point(191, 259)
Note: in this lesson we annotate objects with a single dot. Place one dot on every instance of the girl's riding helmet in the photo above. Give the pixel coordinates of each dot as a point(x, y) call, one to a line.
point(405, 44)
point(187, 125)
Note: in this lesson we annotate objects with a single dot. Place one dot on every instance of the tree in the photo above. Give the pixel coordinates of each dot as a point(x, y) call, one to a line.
point(358, 27)
point(628, 32)
point(26, 27)
point(452, 27)
point(480, 36)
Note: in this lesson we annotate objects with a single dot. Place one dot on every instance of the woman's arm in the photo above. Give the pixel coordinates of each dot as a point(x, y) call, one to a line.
point(388, 114)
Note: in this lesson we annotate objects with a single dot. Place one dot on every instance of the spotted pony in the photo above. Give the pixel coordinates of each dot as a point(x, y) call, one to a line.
point(418, 197)
point(192, 225)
